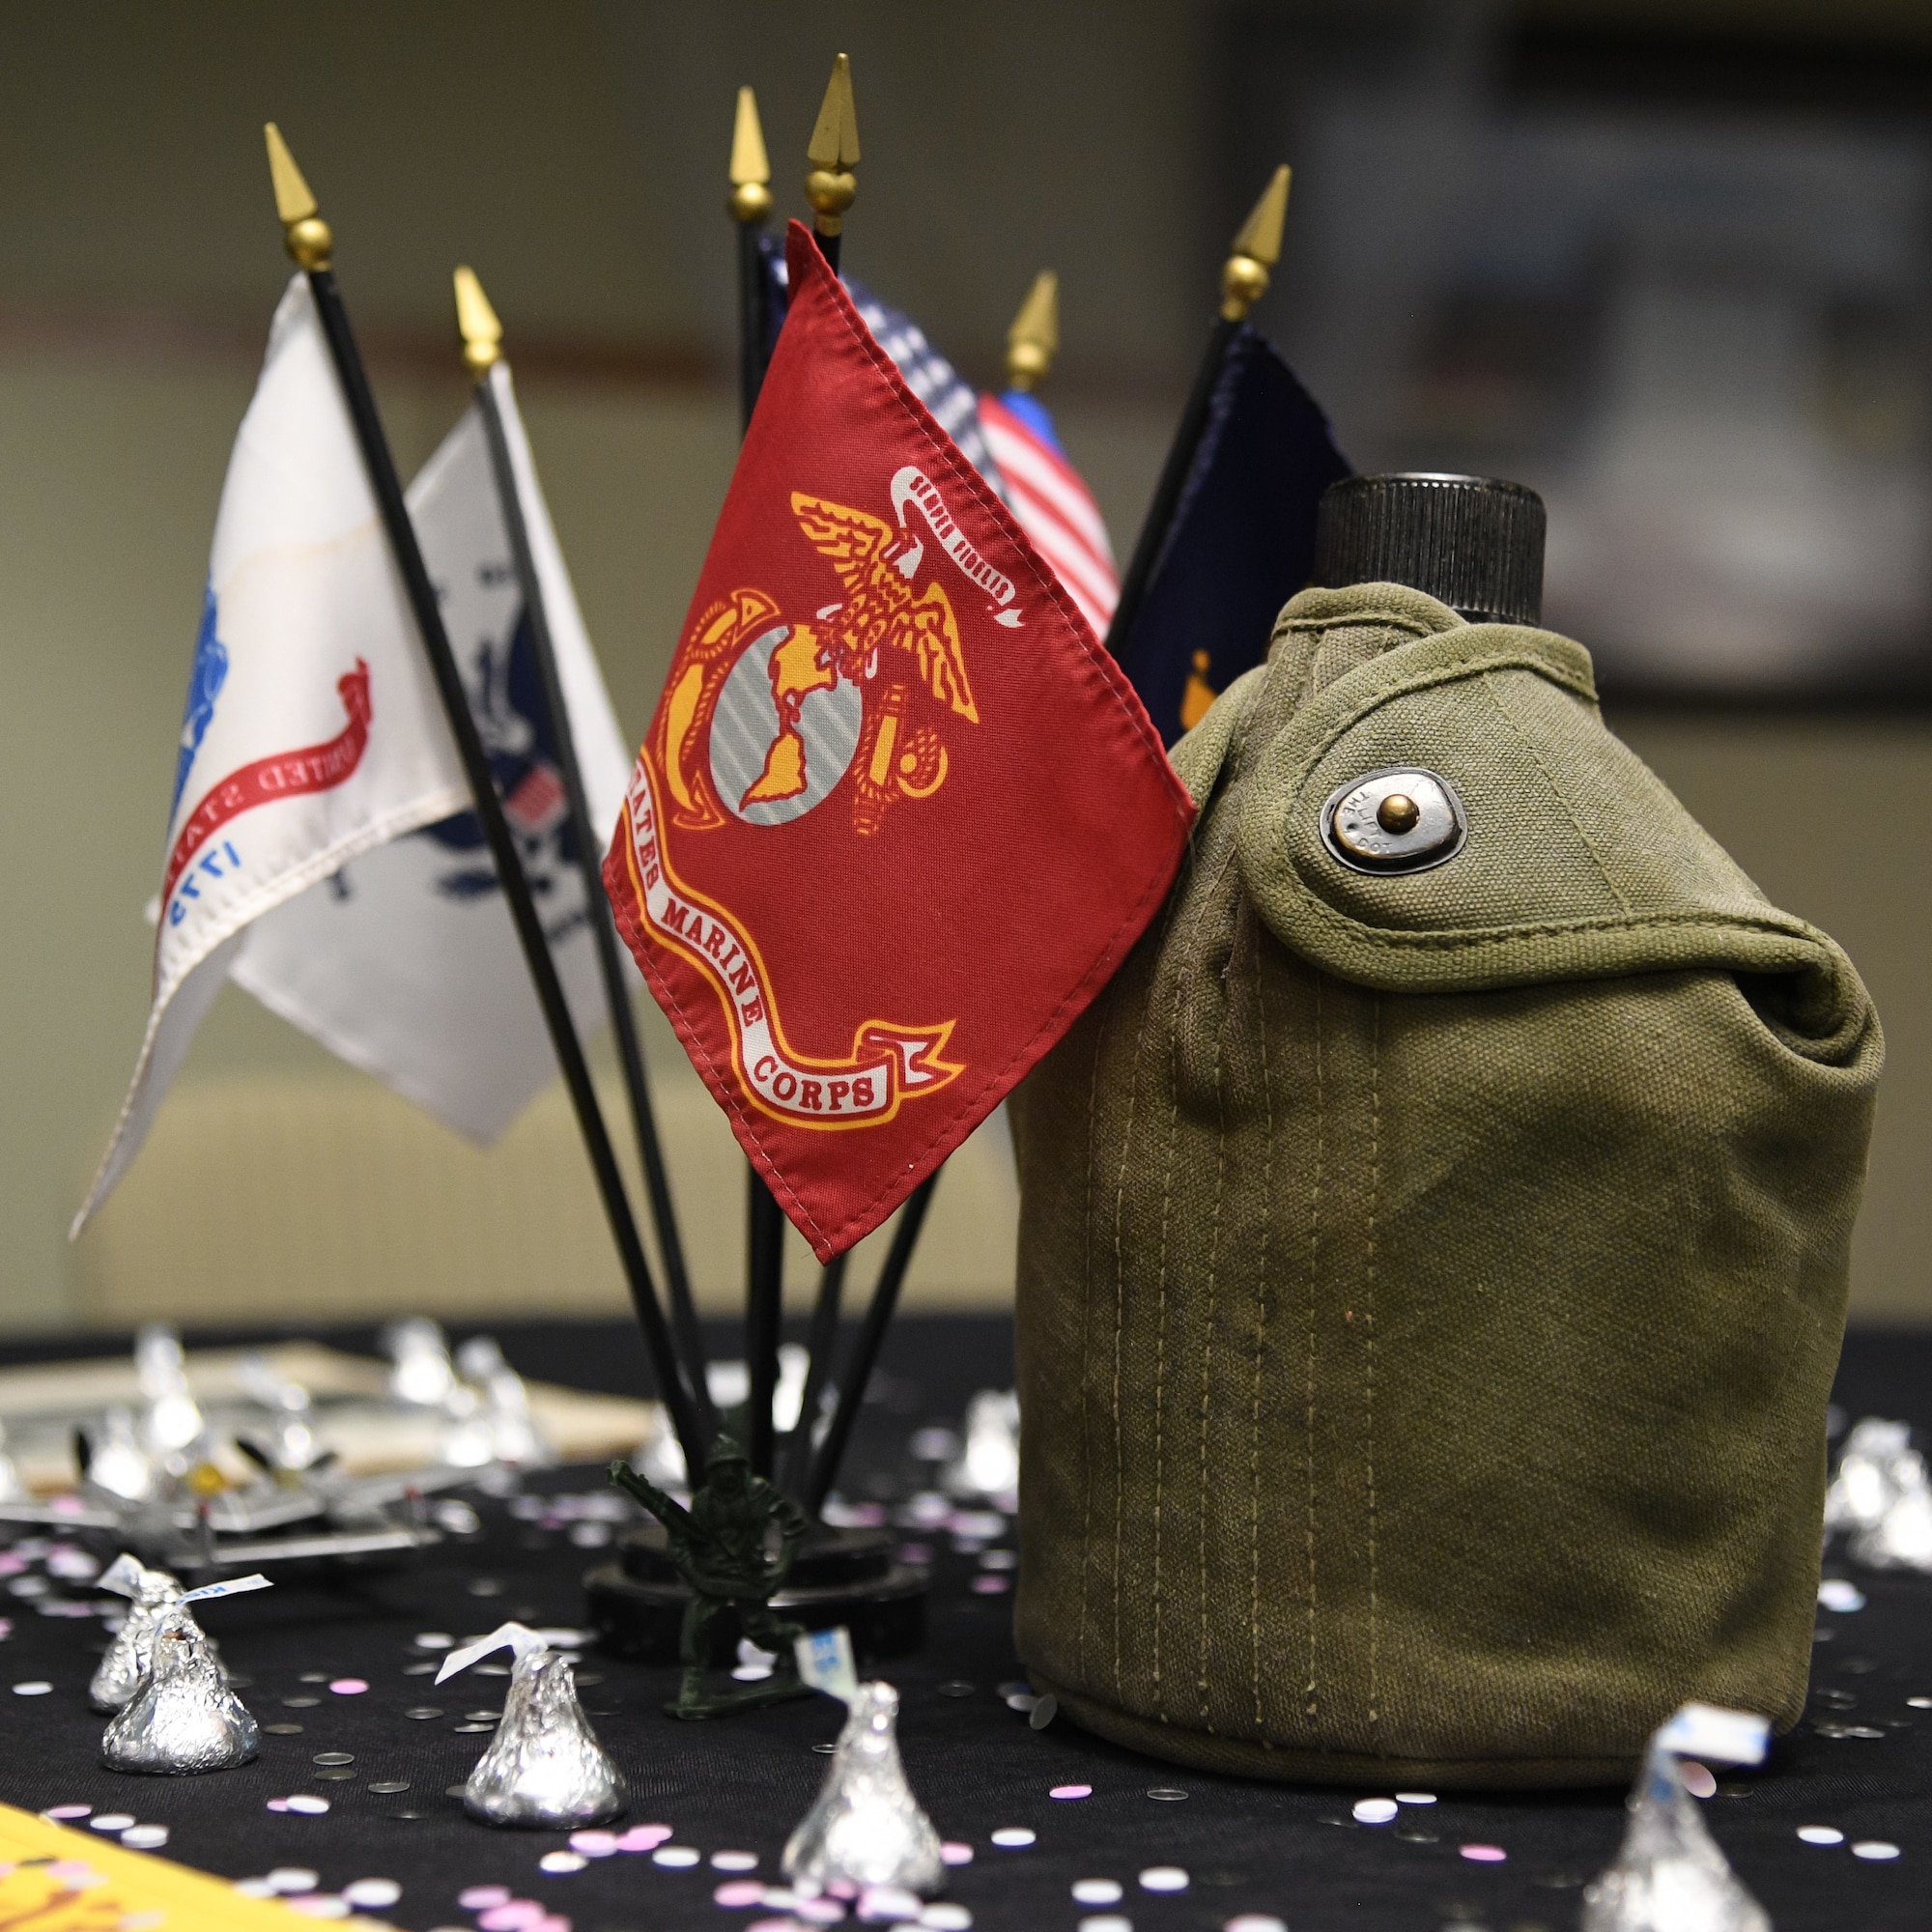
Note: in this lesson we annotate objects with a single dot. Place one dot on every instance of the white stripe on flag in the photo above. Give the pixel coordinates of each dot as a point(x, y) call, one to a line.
point(1027, 463)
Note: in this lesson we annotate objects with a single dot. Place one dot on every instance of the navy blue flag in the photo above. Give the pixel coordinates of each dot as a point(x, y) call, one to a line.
point(1241, 542)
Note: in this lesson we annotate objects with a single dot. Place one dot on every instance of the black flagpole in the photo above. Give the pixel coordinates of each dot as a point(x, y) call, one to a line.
point(482, 353)
point(865, 1351)
point(309, 244)
point(1244, 280)
point(751, 201)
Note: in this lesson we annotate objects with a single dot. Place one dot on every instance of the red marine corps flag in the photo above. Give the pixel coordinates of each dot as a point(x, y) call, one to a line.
point(898, 817)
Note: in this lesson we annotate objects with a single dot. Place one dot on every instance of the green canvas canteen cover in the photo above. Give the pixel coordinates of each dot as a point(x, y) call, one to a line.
point(1434, 1242)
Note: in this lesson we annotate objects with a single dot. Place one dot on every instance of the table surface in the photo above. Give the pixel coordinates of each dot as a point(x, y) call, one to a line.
point(744, 1782)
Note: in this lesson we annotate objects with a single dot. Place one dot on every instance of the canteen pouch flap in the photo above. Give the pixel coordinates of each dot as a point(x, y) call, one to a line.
point(1430, 1281)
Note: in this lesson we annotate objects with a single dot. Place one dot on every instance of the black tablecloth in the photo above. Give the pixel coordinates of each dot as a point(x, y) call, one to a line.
point(741, 1784)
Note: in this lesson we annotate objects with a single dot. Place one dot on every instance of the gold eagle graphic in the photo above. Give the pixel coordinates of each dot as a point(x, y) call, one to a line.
point(889, 641)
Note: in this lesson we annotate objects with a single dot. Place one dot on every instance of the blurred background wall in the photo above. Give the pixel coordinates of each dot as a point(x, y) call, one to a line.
point(1671, 263)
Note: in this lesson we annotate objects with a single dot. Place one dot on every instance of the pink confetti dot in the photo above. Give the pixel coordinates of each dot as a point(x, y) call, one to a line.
point(67, 1811)
point(734, 1894)
point(952, 1853)
point(773, 1925)
point(278, 1805)
point(1071, 1791)
point(72, 1871)
point(1699, 1779)
point(518, 1916)
point(481, 1897)
point(992, 1586)
point(1484, 1855)
point(644, 1838)
point(349, 1686)
point(594, 1844)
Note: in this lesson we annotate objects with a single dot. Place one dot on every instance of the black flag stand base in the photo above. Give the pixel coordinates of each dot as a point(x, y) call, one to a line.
point(846, 1576)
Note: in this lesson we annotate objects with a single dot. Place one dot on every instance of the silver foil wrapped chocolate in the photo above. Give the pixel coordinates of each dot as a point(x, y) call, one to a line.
point(545, 1766)
point(149, 1592)
point(184, 1719)
point(1669, 1876)
point(867, 1827)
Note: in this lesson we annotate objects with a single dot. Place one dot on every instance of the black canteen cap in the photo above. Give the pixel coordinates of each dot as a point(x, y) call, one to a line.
point(1473, 542)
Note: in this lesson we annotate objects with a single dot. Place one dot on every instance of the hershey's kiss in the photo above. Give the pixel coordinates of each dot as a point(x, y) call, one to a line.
point(1668, 1875)
point(867, 1827)
point(182, 1718)
point(545, 1766)
point(126, 1663)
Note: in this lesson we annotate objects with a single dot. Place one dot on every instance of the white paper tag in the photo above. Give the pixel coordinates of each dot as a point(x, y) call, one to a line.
point(519, 1637)
point(232, 1588)
point(1710, 1731)
point(825, 1662)
point(123, 1577)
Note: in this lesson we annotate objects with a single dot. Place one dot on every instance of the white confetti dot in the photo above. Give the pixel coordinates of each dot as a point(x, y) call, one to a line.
point(880, 1905)
point(1163, 1878)
point(35, 1687)
point(293, 1878)
point(1409, 1798)
point(254, 1888)
point(562, 1861)
point(1835, 1593)
point(1373, 1810)
point(675, 1857)
point(434, 1640)
point(1821, 1834)
point(1097, 1892)
point(1106, 1921)
point(1699, 1781)
point(734, 1861)
point(1874, 1848)
point(1256, 1921)
point(308, 1804)
point(110, 1821)
point(377, 1891)
point(145, 1837)
point(945, 1917)
point(1013, 1838)
point(1921, 1703)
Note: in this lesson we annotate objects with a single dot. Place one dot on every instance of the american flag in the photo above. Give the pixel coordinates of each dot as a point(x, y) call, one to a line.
point(1055, 508)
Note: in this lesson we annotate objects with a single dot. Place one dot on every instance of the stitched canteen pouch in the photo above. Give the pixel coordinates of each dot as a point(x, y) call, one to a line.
point(1431, 1275)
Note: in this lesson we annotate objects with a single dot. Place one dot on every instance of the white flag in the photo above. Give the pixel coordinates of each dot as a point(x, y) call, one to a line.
point(406, 962)
point(312, 731)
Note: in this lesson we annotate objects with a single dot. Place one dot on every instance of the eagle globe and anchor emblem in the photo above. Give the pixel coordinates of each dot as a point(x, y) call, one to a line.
point(766, 715)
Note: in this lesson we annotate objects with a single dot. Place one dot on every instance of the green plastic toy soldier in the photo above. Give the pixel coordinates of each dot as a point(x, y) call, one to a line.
point(722, 1548)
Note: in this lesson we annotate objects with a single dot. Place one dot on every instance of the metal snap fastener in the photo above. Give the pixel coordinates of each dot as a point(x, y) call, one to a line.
point(1401, 819)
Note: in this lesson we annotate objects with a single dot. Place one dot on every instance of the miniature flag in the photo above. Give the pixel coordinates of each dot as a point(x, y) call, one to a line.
point(405, 961)
point(930, 376)
point(312, 731)
point(898, 817)
point(1052, 502)
point(1242, 540)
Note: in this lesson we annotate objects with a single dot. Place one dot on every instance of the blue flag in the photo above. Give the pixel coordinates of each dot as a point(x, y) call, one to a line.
point(1241, 542)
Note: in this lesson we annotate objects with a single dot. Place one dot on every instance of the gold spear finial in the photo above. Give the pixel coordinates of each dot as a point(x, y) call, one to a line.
point(1034, 339)
point(1244, 276)
point(305, 235)
point(834, 153)
point(476, 323)
point(751, 166)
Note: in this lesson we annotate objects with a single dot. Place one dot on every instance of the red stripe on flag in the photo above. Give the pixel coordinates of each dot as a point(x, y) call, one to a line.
point(285, 775)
